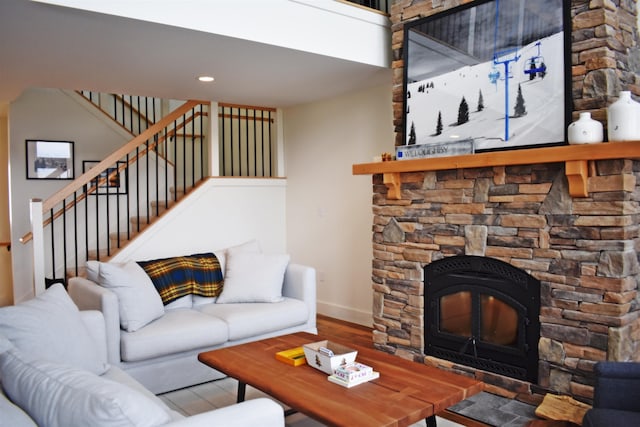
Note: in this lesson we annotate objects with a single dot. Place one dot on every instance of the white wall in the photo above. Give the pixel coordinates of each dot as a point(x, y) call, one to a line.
point(329, 212)
point(47, 114)
point(222, 212)
point(325, 27)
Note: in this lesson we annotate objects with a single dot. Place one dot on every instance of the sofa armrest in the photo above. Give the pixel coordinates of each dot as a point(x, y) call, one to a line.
point(617, 386)
point(12, 414)
point(94, 321)
point(300, 283)
point(89, 295)
point(257, 412)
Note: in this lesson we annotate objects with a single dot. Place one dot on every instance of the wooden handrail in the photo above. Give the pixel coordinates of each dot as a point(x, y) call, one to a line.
point(114, 157)
point(86, 177)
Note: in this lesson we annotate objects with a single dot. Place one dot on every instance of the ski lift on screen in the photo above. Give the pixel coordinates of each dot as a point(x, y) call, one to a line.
point(535, 65)
point(494, 75)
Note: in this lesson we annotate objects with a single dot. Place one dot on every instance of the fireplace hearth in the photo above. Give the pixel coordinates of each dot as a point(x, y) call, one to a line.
point(484, 313)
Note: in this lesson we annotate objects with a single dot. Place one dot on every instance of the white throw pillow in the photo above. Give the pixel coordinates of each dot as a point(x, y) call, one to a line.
point(93, 270)
point(57, 395)
point(252, 246)
point(50, 326)
point(253, 277)
point(139, 302)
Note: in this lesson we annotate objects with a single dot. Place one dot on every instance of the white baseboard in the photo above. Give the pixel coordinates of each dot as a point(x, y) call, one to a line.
point(347, 314)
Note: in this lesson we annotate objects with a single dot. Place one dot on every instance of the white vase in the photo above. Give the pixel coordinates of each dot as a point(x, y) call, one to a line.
point(622, 119)
point(585, 130)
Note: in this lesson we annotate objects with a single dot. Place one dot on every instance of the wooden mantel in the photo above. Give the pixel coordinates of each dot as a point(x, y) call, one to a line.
point(575, 157)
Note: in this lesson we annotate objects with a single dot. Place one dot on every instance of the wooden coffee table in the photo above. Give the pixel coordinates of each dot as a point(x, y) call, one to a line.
point(405, 393)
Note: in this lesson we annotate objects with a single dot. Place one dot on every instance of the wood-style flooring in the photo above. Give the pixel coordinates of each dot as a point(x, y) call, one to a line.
point(330, 328)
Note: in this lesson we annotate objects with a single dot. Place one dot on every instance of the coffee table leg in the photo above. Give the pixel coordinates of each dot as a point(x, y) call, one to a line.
point(242, 388)
point(431, 421)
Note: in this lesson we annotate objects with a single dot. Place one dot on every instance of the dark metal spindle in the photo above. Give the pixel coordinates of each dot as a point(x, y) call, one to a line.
point(255, 144)
point(128, 202)
point(193, 147)
point(166, 167)
point(97, 221)
point(262, 140)
point(137, 162)
point(175, 161)
point(53, 247)
point(184, 153)
point(270, 147)
point(157, 162)
point(202, 142)
point(75, 229)
point(139, 117)
point(64, 241)
point(223, 143)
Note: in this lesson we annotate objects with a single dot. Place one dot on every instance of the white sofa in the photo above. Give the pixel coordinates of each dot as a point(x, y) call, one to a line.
point(162, 355)
point(54, 373)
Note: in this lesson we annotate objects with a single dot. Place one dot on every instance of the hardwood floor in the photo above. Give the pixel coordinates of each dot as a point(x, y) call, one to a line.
point(330, 328)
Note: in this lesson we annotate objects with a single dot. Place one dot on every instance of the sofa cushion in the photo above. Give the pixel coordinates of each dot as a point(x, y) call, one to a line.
point(51, 327)
point(175, 277)
point(250, 320)
point(175, 332)
point(253, 277)
point(138, 301)
point(55, 394)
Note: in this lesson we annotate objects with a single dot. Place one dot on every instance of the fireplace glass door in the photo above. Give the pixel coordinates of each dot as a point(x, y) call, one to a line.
point(483, 313)
point(498, 320)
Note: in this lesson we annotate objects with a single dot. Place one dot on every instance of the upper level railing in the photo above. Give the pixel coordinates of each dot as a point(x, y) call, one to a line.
point(381, 5)
point(111, 202)
point(247, 140)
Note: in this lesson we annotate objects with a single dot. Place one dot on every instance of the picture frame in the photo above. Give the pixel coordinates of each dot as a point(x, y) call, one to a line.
point(487, 75)
point(116, 182)
point(49, 159)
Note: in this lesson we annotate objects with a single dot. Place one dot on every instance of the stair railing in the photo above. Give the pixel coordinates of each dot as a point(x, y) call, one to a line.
point(131, 112)
point(113, 201)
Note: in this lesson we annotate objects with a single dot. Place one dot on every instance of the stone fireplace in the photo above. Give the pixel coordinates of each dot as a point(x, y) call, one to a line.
point(582, 250)
point(566, 216)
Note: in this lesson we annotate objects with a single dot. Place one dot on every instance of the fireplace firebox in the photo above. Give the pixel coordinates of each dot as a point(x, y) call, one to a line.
point(484, 313)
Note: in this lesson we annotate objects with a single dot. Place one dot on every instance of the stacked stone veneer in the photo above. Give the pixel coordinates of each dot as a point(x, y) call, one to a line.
point(584, 252)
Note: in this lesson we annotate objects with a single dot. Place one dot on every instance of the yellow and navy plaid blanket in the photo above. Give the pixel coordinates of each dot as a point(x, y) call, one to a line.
point(175, 277)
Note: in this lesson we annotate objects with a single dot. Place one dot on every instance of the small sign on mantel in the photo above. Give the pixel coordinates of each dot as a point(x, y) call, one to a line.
point(454, 148)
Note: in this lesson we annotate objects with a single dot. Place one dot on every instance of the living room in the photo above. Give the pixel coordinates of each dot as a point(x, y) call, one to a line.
point(328, 209)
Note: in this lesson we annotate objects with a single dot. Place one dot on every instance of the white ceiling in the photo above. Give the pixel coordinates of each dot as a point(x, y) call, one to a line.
point(50, 46)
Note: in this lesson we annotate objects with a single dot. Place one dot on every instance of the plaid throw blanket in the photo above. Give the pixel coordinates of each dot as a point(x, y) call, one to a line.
point(198, 274)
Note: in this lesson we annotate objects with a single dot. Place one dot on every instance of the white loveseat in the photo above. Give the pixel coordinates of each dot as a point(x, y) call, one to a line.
point(162, 354)
point(54, 373)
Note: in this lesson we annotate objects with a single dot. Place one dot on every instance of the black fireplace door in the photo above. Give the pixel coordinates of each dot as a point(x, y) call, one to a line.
point(483, 313)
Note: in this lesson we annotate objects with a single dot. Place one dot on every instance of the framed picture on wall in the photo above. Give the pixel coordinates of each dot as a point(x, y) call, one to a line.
point(488, 75)
point(48, 159)
point(112, 181)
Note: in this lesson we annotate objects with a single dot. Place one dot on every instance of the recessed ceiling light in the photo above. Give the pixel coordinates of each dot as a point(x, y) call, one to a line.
point(205, 78)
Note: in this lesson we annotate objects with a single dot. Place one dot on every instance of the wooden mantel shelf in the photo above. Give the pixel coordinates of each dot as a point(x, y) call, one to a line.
point(576, 158)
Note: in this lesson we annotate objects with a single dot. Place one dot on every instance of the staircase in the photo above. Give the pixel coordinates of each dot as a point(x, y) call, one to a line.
point(106, 207)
